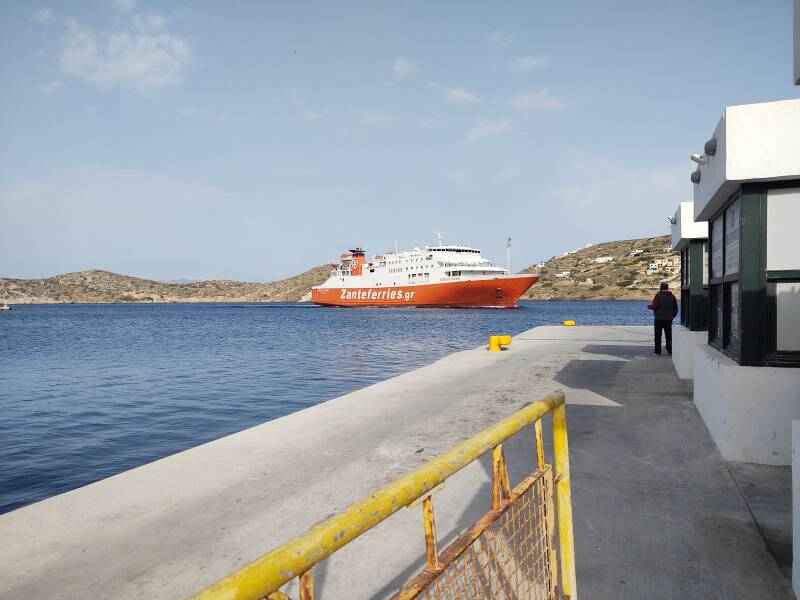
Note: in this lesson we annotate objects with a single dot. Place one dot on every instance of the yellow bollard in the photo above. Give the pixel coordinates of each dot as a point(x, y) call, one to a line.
point(496, 342)
point(569, 323)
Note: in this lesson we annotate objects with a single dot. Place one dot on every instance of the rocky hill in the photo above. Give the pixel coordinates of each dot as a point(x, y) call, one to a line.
point(103, 286)
point(622, 270)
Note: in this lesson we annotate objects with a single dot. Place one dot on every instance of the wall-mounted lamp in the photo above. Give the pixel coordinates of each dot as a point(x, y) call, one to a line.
point(672, 220)
point(695, 176)
point(700, 159)
point(711, 147)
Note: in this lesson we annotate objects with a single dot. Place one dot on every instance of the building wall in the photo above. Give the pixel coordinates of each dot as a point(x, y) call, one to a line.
point(685, 227)
point(712, 174)
point(754, 142)
point(748, 410)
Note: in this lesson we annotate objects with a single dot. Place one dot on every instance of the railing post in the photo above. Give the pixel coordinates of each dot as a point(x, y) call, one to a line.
point(501, 489)
point(552, 555)
point(537, 427)
point(564, 501)
point(431, 548)
point(307, 586)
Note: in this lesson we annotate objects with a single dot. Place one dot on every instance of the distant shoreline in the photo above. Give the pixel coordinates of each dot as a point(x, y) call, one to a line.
point(619, 270)
point(304, 303)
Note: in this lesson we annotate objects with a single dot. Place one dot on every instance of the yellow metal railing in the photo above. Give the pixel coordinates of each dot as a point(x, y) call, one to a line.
point(509, 552)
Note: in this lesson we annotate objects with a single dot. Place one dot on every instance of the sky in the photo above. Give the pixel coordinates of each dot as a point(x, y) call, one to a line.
point(254, 140)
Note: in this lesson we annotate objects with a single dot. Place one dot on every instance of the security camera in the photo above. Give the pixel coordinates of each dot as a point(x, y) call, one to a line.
point(700, 159)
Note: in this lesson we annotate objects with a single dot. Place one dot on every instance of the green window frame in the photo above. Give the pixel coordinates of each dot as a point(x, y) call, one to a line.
point(742, 313)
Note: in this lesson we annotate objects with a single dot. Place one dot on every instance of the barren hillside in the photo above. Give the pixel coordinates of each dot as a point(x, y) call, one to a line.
point(102, 286)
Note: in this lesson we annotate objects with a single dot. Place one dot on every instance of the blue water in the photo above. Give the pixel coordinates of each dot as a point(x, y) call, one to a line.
point(87, 391)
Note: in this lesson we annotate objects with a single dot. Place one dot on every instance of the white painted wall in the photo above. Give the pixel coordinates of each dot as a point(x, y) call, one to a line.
point(755, 142)
point(712, 174)
point(686, 228)
point(683, 346)
point(748, 410)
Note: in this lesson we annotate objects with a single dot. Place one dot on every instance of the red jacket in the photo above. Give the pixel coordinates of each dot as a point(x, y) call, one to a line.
point(663, 312)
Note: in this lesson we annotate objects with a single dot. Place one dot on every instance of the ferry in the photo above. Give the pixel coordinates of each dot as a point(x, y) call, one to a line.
point(434, 276)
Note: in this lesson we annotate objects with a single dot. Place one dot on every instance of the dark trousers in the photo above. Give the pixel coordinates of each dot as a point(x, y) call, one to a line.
point(664, 325)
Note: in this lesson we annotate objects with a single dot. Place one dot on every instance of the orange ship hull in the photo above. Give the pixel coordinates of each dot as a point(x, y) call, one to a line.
point(501, 293)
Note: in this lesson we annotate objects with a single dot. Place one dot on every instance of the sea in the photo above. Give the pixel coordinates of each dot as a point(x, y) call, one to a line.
point(88, 391)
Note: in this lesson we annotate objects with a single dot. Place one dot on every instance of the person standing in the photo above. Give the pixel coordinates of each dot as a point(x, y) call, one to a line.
point(665, 308)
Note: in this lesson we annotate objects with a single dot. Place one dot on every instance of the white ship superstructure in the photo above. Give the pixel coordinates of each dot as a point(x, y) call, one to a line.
point(443, 275)
point(414, 267)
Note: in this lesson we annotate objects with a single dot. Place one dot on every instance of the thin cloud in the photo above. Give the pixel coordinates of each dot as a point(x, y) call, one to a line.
point(459, 96)
point(313, 115)
point(149, 23)
point(42, 16)
point(507, 174)
point(51, 87)
point(499, 38)
point(541, 100)
point(124, 5)
point(432, 122)
point(191, 111)
point(402, 68)
point(143, 62)
point(523, 64)
point(456, 176)
point(378, 119)
point(487, 128)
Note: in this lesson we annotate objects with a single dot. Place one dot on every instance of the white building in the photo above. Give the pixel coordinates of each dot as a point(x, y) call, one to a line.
point(690, 238)
point(747, 377)
point(603, 259)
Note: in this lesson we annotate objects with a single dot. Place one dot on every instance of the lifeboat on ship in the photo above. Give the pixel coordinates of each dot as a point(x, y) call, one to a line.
point(435, 276)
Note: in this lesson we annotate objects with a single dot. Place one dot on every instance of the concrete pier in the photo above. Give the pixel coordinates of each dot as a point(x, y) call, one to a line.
point(657, 512)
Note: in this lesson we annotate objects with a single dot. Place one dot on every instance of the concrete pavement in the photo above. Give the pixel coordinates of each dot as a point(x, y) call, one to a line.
point(657, 513)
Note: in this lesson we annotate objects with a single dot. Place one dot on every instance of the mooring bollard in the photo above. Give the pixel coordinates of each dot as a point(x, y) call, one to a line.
point(496, 342)
point(569, 323)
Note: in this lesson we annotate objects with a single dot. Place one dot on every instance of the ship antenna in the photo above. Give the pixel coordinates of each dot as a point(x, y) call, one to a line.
point(508, 254)
point(439, 236)
point(395, 247)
